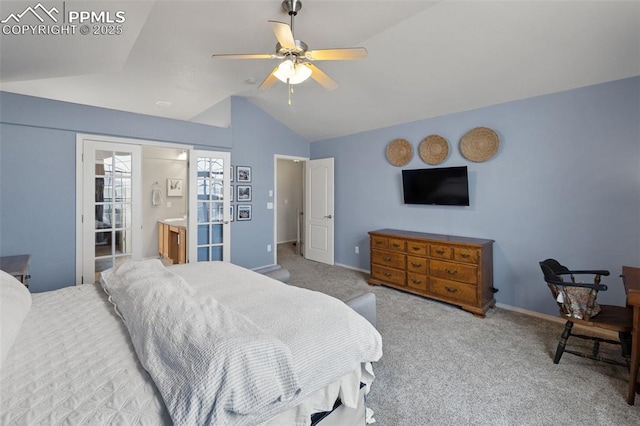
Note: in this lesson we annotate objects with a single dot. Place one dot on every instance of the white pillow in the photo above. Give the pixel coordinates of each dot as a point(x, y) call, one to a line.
point(15, 302)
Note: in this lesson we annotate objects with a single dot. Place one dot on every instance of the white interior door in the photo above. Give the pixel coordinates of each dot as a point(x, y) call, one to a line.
point(209, 206)
point(112, 208)
point(319, 215)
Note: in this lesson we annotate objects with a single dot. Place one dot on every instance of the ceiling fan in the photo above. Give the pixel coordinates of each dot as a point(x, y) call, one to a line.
point(296, 59)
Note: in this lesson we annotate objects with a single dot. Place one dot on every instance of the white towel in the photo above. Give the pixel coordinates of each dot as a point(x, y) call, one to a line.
point(156, 197)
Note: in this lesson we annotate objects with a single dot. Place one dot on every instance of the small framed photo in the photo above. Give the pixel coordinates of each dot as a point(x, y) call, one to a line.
point(231, 211)
point(232, 193)
point(243, 173)
point(244, 212)
point(231, 174)
point(244, 193)
point(174, 187)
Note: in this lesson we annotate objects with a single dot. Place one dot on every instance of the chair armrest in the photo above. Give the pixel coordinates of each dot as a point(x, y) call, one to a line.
point(597, 287)
point(602, 272)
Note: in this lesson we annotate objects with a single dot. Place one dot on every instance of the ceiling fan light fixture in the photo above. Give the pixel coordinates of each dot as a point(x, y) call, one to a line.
point(293, 73)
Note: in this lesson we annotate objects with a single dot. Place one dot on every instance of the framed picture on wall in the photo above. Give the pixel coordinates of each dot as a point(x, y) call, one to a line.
point(243, 173)
point(232, 193)
point(231, 174)
point(244, 193)
point(231, 211)
point(174, 187)
point(244, 212)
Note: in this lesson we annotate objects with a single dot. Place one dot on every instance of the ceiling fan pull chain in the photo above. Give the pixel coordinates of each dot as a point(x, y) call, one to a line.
point(290, 91)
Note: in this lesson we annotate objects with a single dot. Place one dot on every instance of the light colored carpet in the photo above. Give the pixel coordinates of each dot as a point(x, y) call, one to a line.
point(443, 366)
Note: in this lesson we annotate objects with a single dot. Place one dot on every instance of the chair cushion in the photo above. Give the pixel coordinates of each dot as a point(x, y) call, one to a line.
point(575, 299)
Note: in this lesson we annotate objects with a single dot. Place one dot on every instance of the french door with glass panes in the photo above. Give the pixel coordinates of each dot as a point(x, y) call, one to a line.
point(210, 208)
point(112, 213)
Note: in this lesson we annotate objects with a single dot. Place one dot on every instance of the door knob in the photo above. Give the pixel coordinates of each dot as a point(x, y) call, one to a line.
point(328, 217)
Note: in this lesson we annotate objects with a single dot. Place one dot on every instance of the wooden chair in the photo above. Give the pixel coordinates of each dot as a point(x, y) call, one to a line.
point(577, 303)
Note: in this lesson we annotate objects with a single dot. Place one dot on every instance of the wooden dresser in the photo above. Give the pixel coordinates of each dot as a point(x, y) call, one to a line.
point(456, 270)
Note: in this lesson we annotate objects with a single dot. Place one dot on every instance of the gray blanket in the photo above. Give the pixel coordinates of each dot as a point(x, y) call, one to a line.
point(194, 328)
point(206, 360)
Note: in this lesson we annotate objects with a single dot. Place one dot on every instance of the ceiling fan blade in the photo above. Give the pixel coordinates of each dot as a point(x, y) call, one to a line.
point(323, 79)
point(245, 56)
point(269, 81)
point(284, 34)
point(336, 54)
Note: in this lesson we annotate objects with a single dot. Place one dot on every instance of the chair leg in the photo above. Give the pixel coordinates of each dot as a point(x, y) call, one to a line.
point(563, 341)
point(625, 342)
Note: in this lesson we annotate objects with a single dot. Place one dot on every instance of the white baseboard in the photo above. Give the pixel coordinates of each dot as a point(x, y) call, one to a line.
point(353, 268)
point(599, 331)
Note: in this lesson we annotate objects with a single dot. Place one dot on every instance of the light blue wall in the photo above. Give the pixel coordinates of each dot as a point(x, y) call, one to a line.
point(565, 183)
point(257, 137)
point(37, 174)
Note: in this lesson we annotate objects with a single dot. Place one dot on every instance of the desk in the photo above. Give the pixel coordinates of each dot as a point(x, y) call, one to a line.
point(18, 266)
point(631, 278)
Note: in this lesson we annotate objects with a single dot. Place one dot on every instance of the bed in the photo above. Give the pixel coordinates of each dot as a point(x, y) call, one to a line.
point(80, 355)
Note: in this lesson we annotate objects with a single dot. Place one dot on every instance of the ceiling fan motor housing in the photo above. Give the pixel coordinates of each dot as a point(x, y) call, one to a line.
point(292, 7)
point(301, 48)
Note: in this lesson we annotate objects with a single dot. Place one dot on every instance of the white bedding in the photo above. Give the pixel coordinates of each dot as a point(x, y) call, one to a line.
point(73, 362)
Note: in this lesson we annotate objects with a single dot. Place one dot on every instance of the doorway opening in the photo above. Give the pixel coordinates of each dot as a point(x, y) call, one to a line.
point(126, 188)
point(289, 184)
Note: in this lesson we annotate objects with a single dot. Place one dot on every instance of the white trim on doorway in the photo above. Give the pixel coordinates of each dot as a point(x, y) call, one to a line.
point(277, 157)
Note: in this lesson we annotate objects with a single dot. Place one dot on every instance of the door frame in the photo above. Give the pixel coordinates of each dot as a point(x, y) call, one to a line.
point(277, 157)
point(80, 138)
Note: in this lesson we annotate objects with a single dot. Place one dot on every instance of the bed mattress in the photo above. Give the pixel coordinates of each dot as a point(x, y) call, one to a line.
point(73, 363)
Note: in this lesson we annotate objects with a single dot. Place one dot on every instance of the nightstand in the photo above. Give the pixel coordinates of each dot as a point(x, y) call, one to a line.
point(18, 266)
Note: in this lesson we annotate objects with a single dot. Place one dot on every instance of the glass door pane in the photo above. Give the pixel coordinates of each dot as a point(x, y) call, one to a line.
point(113, 171)
point(209, 227)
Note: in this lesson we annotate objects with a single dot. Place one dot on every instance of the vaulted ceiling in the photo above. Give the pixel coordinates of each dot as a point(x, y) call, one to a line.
point(426, 58)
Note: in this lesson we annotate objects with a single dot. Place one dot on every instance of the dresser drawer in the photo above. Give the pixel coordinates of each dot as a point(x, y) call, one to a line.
point(379, 242)
point(417, 264)
point(467, 255)
point(453, 271)
point(418, 248)
point(417, 281)
point(388, 258)
point(441, 252)
point(397, 244)
point(389, 275)
point(451, 290)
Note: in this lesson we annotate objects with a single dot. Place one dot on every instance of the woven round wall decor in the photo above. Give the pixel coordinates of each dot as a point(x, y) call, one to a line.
point(433, 149)
point(399, 152)
point(479, 144)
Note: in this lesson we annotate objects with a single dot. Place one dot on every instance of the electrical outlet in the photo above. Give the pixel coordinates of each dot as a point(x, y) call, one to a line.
point(268, 247)
point(357, 250)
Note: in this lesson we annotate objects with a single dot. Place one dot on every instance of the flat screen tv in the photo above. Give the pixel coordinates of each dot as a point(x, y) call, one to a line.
point(443, 186)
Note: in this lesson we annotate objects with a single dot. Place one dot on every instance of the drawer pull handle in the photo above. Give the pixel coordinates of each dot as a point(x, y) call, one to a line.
point(416, 265)
point(451, 271)
point(464, 255)
point(386, 274)
point(416, 248)
point(451, 289)
point(417, 281)
point(386, 259)
point(440, 251)
point(396, 245)
point(379, 242)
